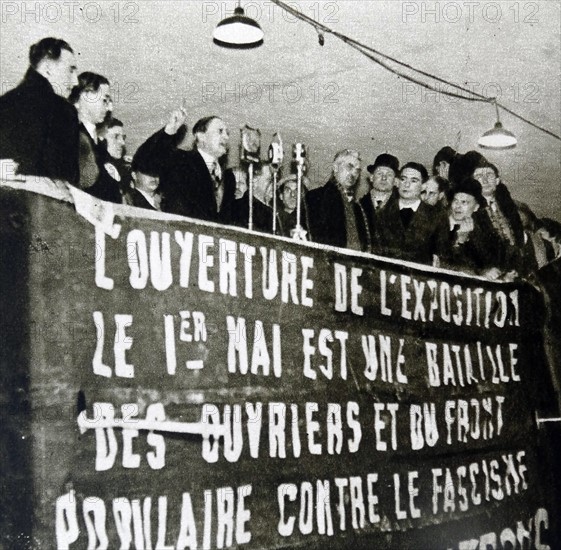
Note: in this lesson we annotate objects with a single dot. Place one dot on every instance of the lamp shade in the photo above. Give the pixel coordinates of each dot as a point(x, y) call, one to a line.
point(238, 32)
point(497, 138)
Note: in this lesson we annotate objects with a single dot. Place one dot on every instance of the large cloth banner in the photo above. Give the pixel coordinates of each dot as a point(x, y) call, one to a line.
point(168, 384)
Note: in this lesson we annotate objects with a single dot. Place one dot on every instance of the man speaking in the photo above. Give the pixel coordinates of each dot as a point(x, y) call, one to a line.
point(194, 183)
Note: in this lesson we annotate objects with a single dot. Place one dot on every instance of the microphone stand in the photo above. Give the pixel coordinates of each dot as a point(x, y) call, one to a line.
point(299, 233)
point(298, 227)
point(250, 192)
point(275, 204)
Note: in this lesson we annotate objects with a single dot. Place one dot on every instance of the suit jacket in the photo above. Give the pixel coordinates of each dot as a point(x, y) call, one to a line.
point(188, 188)
point(372, 217)
point(262, 214)
point(94, 178)
point(121, 166)
point(326, 217)
point(134, 197)
point(287, 222)
point(426, 234)
point(514, 254)
point(481, 251)
point(39, 130)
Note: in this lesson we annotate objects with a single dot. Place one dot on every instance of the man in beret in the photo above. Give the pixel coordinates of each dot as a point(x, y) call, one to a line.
point(408, 228)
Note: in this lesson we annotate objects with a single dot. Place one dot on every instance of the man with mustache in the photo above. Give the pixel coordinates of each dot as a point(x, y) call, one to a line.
point(335, 216)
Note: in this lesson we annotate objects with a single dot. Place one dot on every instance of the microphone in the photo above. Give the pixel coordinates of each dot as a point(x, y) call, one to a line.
point(276, 151)
point(250, 144)
point(276, 156)
point(299, 153)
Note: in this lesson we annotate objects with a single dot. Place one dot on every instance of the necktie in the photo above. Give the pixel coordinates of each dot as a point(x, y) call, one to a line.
point(406, 216)
point(454, 234)
point(500, 222)
point(218, 188)
point(215, 173)
point(378, 204)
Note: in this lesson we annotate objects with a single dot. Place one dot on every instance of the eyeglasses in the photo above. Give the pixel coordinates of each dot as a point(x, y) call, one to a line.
point(489, 175)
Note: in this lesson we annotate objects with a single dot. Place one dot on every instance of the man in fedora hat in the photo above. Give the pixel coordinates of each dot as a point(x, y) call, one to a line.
point(145, 172)
point(381, 177)
point(472, 244)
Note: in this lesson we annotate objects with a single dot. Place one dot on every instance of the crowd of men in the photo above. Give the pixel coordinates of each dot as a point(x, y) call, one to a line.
point(59, 125)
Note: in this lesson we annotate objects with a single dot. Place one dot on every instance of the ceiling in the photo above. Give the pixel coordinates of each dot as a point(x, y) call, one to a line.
point(159, 53)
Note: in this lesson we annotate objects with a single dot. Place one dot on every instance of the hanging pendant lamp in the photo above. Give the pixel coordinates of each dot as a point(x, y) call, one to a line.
point(238, 32)
point(498, 137)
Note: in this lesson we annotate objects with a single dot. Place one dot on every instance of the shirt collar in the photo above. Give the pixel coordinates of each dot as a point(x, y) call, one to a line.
point(210, 161)
point(91, 129)
point(379, 196)
point(149, 198)
point(414, 206)
point(350, 196)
